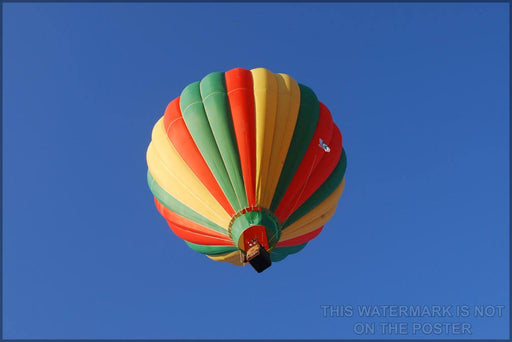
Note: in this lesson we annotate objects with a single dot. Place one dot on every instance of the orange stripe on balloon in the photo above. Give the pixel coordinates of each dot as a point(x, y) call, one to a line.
point(183, 142)
point(314, 154)
point(299, 240)
point(241, 100)
point(190, 230)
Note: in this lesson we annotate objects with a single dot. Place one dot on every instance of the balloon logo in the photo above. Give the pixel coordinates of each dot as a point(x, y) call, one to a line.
point(235, 166)
point(323, 145)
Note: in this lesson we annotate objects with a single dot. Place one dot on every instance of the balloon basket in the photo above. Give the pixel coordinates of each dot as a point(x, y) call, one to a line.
point(259, 258)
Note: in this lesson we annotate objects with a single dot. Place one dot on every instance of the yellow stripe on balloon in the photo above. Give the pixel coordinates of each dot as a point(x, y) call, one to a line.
point(233, 258)
point(288, 103)
point(316, 218)
point(316, 223)
point(175, 177)
point(265, 102)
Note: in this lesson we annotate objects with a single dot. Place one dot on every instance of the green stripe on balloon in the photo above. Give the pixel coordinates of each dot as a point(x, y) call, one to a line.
point(195, 118)
point(216, 105)
point(211, 250)
point(279, 253)
point(307, 120)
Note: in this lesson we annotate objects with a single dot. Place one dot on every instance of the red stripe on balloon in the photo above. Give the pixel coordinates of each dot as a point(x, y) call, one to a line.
point(190, 236)
point(183, 142)
point(323, 170)
point(239, 86)
point(314, 155)
point(190, 230)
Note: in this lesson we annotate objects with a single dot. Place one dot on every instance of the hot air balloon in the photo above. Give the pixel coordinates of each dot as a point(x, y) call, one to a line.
point(246, 166)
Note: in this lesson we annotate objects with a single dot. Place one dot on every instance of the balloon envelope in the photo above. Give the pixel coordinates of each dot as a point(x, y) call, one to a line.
point(245, 156)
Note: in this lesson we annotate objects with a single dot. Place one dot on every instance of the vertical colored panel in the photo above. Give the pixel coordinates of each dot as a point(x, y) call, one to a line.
point(313, 174)
point(265, 100)
point(194, 114)
point(304, 129)
point(288, 102)
point(322, 172)
point(241, 100)
point(182, 141)
point(309, 163)
point(216, 105)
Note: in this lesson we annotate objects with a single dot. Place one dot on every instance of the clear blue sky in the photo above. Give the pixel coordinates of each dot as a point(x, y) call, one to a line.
point(419, 91)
